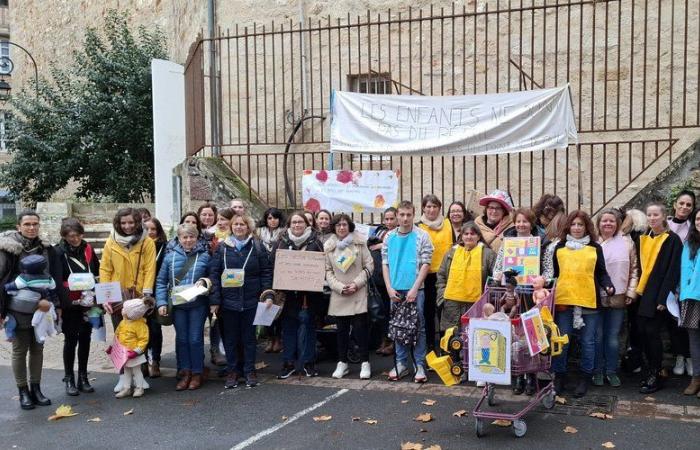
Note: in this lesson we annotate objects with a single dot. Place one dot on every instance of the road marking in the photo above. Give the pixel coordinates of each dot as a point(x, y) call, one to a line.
point(253, 439)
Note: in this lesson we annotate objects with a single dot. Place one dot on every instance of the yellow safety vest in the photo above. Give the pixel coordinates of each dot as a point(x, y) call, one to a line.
point(442, 243)
point(464, 277)
point(576, 284)
point(649, 248)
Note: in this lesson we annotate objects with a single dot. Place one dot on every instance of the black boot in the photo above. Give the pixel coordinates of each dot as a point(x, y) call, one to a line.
point(559, 383)
point(37, 397)
point(25, 399)
point(84, 383)
point(519, 387)
point(582, 386)
point(70, 385)
point(531, 384)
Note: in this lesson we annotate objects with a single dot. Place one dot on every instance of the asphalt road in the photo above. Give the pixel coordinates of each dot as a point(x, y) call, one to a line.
point(280, 415)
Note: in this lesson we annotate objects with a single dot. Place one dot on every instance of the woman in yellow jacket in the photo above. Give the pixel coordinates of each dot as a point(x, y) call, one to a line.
point(128, 257)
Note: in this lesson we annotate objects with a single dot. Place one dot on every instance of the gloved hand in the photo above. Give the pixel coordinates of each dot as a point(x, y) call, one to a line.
point(109, 350)
point(131, 354)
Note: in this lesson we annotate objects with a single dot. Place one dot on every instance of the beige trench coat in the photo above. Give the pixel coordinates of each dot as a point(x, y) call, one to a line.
point(348, 305)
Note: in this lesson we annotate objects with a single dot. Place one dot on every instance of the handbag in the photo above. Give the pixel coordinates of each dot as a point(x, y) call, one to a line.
point(375, 302)
point(166, 321)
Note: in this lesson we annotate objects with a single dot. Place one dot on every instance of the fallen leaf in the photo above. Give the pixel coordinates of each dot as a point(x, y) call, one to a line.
point(423, 430)
point(608, 444)
point(63, 411)
point(92, 379)
point(355, 419)
point(411, 446)
point(95, 419)
point(600, 415)
point(649, 399)
point(570, 429)
point(559, 400)
point(434, 447)
point(371, 421)
point(129, 412)
point(402, 401)
point(284, 418)
point(428, 402)
point(322, 418)
point(502, 423)
point(460, 413)
point(190, 402)
point(425, 417)
point(261, 365)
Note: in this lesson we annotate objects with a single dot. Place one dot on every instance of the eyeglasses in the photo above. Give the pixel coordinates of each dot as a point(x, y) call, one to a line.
point(298, 222)
point(494, 208)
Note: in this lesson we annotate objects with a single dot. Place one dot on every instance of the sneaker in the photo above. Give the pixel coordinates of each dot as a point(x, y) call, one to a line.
point(138, 392)
point(365, 371)
point(651, 385)
point(231, 381)
point(251, 380)
point(126, 392)
point(614, 380)
point(340, 370)
point(598, 379)
point(420, 376)
point(310, 370)
point(399, 371)
point(689, 367)
point(679, 368)
point(582, 386)
point(286, 372)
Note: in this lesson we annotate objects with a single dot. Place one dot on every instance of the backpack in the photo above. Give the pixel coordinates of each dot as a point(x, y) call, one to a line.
point(403, 325)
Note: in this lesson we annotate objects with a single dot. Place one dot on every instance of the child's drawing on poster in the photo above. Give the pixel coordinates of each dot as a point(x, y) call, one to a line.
point(489, 351)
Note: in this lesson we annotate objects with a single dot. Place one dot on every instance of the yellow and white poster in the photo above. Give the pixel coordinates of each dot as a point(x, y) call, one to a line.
point(535, 334)
point(489, 351)
point(362, 191)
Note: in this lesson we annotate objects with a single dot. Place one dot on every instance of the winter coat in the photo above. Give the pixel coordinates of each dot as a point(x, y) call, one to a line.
point(173, 263)
point(11, 252)
point(295, 300)
point(491, 238)
point(488, 259)
point(256, 279)
point(664, 275)
point(348, 305)
point(133, 334)
point(120, 264)
point(75, 261)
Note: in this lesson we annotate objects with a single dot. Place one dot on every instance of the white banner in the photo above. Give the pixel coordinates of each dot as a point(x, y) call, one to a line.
point(485, 124)
point(365, 191)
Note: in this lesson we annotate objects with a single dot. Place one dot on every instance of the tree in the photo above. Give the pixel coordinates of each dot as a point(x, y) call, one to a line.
point(92, 122)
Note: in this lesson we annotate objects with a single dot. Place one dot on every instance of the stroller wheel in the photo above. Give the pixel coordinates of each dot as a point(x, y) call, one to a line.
point(479, 426)
point(519, 428)
point(548, 400)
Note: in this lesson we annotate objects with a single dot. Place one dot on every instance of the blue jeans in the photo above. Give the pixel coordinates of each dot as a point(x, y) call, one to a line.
point(239, 331)
point(607, 340)
point(565, 322)
point(299, 338)
point(189, 337)
point(402, 351)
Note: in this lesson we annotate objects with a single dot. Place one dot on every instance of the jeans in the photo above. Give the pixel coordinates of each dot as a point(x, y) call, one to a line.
point(565, 322)
point(607, 340)
point(402, 351)
point(239, 331)
point(189, 337)
point(360, 331)
point(299, 338)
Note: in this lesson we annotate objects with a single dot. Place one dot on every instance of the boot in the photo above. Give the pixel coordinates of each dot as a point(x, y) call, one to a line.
point(694, 386)
point(519, 387)
point(195, 382)
point(385, 342)
point(25, 399)
point(184, 382)
point(582, 386)
point(70, 385)
point(154, 369)
point(84, 383)
point(217, 358)
point(37, 397)
point(389, 349)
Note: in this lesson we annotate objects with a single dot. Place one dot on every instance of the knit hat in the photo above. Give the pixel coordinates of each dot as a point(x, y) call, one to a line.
point(499, 196)
point(135, 308)
point(33, 264)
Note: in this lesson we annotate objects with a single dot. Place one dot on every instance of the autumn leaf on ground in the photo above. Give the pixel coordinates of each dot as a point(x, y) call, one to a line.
point(129, 412)
point(559, 400)
point(190, 402)
point(428, 402)
point(570, 429)
point(371, 421)
point(95, 419)
point(260, 365)
point(63, 411)
point(608, 444)
point(322, 418)
point(460, 413)
point(600, 415)
point(411, 446)
point(502, 423)
point(404, 401)
point(649, 399)
point(284, 418)
point(425, 417)
point(355, 419)
point(434, 447)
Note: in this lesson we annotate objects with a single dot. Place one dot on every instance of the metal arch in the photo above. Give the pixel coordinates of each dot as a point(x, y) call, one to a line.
point(290, 141)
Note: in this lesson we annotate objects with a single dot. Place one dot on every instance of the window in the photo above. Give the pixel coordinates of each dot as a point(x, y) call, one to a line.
point(374, 83)
point(5, 65)
point(4, 116)
point(4, 3)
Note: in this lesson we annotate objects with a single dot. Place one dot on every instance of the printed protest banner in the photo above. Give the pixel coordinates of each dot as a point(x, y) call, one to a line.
point(489, 350)
point(523, 255)
point(299, 271)
point(365, 191)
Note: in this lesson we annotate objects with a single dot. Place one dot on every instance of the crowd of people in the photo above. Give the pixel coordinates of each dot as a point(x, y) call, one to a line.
point(618, 280)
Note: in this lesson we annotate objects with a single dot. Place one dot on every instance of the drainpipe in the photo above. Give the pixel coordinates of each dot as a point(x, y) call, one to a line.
point(213, 88)
point(304, 62)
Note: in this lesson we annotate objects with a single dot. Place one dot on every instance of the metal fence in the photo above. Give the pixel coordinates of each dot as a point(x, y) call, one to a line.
point(632, 65)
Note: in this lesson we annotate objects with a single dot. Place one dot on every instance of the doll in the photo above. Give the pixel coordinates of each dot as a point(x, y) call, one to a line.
point(132, 333)
point(539, 293)
point(509, 300)
point(487, 310)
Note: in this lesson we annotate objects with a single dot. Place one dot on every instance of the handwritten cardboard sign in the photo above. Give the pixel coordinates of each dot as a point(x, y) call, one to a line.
point(299, 271)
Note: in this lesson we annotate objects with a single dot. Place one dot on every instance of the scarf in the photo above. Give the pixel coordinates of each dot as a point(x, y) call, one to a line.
point(298, 241)
point(433, 224)
point(29, 245)
point(576, 244)
point(221, 235)
point(128, 241)
point(269, 237)
point(345, 242)
point(239, 244)
point(74, 252)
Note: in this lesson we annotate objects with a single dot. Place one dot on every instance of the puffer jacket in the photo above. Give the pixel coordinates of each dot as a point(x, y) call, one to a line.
point(173, 263)
point(256, 279)
point(12, 250)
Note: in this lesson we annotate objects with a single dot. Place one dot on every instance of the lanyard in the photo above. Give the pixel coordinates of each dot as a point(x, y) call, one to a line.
point(246, 259)
point(75, 261)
